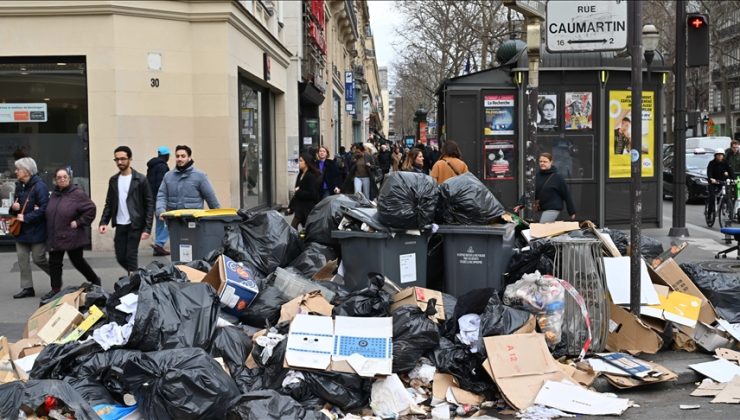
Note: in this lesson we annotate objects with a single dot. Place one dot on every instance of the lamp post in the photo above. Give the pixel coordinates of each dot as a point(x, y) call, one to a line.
point(650, 40)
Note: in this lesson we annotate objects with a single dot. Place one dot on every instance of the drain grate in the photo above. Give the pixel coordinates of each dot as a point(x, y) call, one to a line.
point(722, 266)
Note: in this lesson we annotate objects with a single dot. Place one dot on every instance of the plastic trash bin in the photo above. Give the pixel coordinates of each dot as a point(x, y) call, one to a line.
point(475, 256)
point(400, 257)
point(196, 232)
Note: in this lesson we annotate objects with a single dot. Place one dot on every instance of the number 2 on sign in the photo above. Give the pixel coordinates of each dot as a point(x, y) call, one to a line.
point(611, 40)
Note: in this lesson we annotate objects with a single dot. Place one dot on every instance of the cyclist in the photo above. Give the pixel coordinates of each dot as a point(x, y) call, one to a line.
point(717, 171)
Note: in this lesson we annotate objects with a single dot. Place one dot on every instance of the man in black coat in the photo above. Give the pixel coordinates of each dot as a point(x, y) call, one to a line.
point(384, 159)
point(156, 168)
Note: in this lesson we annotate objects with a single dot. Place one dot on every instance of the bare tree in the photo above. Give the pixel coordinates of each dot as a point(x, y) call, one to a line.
point(662, 14)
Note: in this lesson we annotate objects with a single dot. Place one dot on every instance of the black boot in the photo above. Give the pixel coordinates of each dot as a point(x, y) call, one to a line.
point(27, 292)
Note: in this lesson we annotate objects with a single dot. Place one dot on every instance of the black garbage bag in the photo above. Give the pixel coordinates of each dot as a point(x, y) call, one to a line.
point(465, 366)
point(407, 200)
point(499, 319)
point(313, 258)
point(33, 394)
point(366, 215)
point(91, 391)
point(620, 239)
point(265, 308)
point(59, 360)
point(371, 301)
point(180, 384)
point(174, 315)
point(95, 295)
point(155, 272)
point(107, 368)
point(233, 345)
point(200, 265)
point(650, 247)
point(248, 380)
point(273, 371)
point(722, 289)
point(269, 241)
point(232, 245)
point(326, 215)
point(465, 200)
point(539, 257)
point(269, 405)
point(414, 334)
point(472, 302)
point(347, 391)
point(301, 391)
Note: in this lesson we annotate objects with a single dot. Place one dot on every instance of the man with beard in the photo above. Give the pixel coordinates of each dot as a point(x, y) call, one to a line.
point(129, 208)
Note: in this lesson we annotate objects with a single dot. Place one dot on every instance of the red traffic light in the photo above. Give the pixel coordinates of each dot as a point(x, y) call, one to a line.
point(696, 22)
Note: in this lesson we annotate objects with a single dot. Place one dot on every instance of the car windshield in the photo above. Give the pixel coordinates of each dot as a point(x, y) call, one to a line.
point(698, 161)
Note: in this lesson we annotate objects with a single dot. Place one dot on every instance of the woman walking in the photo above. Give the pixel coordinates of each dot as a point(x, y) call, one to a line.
point(450, 164)
point(29, 208)
point(306, 190)
point(69, 211)
point(329, 177)
point(551, 192)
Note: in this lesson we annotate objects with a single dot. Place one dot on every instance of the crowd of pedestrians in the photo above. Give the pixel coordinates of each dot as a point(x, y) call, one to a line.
point(58, 222)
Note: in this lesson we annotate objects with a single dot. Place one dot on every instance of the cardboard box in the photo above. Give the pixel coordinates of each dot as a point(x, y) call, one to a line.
point(708, 337)
point(64, 320)
point(628, 333)
point(42, 315)
point(419, 296)
point(347, 344)
point(520, 365)
point(310, 303)
point(670, 274)
point(93, 316)
point(26, 347)
point(677, 307)
point(195, 276)
point(4, 348)
point(446, 388)
point(544, 230)
point(233, 283)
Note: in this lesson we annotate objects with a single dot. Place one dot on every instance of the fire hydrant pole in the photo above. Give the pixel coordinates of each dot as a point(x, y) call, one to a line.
point(534, 37)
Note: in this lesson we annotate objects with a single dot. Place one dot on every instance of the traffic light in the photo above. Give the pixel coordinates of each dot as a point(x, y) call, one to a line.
point(697, 34)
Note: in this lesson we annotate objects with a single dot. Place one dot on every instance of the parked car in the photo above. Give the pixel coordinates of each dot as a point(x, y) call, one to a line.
point(697, 183)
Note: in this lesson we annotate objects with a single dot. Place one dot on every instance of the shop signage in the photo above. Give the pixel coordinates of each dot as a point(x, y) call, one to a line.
point(574, 26)
point(13, 112)
point(349, 86)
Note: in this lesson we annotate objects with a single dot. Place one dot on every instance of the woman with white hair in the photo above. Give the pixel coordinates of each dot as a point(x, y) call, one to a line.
point(29, 207)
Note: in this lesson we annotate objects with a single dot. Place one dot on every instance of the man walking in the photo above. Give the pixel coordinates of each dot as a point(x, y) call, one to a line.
point(129, 207)
point(185, 187)
point(156, 168)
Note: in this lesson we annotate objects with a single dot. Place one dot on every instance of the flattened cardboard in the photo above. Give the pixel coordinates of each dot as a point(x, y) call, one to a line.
point(730, 394)
point(419, 296)
point(582, 373)
point(617, 271)
point(628, 333)
point(662, 375)
point(731, 329)
point(708, 388)
point(310, 303)
point(26, 347)
point(520, 364)
point(670, 274)
point(42, 315)
point(731, 355)
point(543, 230)
point(61, 322)
point(678, 307)
point(233, 283)
point(575, 399)
point(720, 370)
point(444, 383)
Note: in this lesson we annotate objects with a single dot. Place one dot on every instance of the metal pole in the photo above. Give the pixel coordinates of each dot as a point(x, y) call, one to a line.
point(679, 159)
point(530, 155)
point(635, 28)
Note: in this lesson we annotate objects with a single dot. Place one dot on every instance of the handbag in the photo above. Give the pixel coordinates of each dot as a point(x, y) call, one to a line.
point(14, 225)
point(450, 165)
point(537, 206)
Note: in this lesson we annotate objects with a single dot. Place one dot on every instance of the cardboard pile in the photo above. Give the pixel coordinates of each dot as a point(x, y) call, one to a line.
point(723, 378)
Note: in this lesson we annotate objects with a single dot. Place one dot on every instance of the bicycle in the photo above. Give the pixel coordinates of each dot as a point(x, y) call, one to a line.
point(722, 201)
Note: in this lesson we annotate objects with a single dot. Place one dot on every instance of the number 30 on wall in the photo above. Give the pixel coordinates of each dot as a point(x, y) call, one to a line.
point(154, 82)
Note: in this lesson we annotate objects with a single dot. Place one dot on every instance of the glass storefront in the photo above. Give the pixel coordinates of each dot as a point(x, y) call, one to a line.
point(43, 115)
point(254, 145)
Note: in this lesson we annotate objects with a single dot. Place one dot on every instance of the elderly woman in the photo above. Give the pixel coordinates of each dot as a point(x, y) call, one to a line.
point(70, 210)
point(29, 207)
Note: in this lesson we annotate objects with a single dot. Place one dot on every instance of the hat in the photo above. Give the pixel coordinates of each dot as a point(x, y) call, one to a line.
point(163, 150)
point(719, 152)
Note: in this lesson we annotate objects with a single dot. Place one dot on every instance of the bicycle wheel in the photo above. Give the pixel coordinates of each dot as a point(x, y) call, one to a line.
point(709, 215)
point(725, 218)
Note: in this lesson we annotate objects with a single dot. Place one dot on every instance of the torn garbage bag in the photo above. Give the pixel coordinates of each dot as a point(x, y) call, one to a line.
point(722, 290)
point(414, 334)
point(107, 368)
point(499, 319)
point(174, 315)
point(265, 308)
point(180, 384)
point(41, 396)
point(326, 215)
point(269, 240)
point(269, 405)
point(465, 200)
point(371, 301)
point(407, 200)
point(313, 258)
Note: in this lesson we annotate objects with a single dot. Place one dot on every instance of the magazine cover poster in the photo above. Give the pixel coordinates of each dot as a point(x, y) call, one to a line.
point(499, 115)
point(547, 112)
point(578, 111)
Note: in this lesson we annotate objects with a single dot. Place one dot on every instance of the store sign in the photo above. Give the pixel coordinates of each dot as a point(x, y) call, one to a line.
point(349, 86)
point(13, 113)
point(575, 26)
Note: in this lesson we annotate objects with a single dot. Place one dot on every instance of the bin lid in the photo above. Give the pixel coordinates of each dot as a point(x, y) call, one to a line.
point(342, 234)
point(202, 213)
point(500, 229)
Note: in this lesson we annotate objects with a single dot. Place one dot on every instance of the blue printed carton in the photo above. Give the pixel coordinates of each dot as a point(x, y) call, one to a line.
point(234, 284)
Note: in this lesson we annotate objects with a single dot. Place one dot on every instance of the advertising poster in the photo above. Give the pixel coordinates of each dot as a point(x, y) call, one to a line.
point(620, 133)
point(499, 156)
point(578, 111)
point(499, 111)
point(547, 112)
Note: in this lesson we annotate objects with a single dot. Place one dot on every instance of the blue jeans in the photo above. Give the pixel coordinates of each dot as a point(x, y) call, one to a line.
point(162, 234)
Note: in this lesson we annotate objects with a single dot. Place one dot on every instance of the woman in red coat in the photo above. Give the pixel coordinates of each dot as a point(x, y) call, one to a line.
point(69, 211)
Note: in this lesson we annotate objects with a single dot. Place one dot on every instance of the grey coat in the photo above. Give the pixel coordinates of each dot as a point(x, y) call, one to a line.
point(185, 190)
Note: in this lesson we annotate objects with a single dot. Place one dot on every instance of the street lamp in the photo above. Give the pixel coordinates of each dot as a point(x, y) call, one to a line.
point(650, 40)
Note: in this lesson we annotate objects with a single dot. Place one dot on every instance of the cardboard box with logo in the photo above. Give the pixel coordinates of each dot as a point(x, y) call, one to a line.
point(234, 283)
point(64, 320)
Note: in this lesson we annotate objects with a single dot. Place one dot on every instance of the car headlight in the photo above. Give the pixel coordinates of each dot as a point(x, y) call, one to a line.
point(701, 181)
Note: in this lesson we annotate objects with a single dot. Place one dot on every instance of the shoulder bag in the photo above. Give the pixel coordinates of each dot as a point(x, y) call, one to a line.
point(14, 225)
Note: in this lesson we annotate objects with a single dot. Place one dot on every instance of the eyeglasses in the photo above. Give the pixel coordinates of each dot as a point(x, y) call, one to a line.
point(120, 159)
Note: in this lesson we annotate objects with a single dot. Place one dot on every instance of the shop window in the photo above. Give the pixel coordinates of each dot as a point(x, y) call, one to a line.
point(43, 115)
point(254, 145)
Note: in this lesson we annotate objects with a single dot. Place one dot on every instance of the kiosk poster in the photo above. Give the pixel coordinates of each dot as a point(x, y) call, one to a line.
point(620, 133)
point(499, 156)
point(578, 111)
point(499, 115)
point(547, 114)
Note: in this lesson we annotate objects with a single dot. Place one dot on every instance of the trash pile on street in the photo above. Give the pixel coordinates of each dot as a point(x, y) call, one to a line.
point(272, 325)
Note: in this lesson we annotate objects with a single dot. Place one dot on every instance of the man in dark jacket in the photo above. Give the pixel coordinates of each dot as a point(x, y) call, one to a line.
point(717, 171)
point(129, 207)
point(384, 159)
point(156, 168)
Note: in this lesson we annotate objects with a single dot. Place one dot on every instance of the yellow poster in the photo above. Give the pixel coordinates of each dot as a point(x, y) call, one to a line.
point(620, 133)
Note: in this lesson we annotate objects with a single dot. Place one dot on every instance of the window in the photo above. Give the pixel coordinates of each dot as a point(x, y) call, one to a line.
point(254, 145)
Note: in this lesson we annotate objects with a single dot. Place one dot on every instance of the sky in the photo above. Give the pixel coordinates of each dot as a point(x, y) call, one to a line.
point(383, 21)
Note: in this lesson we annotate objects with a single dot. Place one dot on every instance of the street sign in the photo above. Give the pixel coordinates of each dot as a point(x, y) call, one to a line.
point(529, 8)
point(579, 26)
